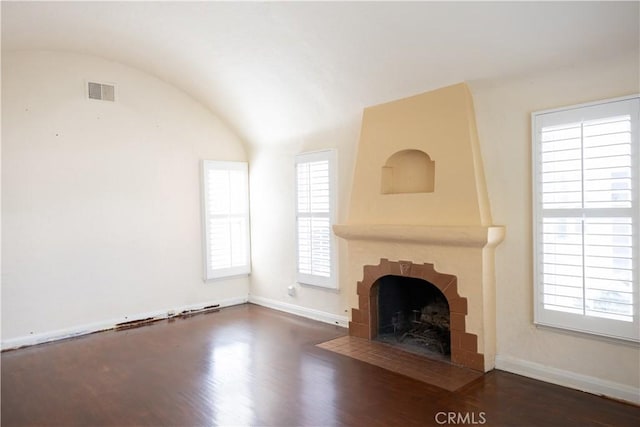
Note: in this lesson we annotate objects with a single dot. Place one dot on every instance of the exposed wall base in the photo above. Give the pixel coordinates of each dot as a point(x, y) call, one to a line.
point(309, 313)
point(569, 379)
point(76, 331)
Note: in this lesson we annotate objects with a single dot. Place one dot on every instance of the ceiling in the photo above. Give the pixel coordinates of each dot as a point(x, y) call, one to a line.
point(277, 71)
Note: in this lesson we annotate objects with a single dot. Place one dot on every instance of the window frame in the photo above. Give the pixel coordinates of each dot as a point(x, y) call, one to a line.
point(211, 273)
point(330, 282)
point(617, 329)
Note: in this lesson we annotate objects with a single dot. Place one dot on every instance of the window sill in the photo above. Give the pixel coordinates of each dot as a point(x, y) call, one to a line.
point(628, 342)
point(231, 276)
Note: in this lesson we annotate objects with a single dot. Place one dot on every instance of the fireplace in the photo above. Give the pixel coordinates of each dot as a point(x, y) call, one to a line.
point(419, 210)
point(365, 320)
point(412, 314)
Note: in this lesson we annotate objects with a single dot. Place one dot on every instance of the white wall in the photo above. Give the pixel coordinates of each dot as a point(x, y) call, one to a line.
point(272, 182)
point(101, 201)
point(503, 110)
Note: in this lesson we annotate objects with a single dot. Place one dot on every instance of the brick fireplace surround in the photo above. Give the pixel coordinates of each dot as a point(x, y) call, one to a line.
point(459, 261)
point(364, 320)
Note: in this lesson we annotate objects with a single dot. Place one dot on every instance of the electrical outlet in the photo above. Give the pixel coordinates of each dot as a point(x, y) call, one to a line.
point(291, 290)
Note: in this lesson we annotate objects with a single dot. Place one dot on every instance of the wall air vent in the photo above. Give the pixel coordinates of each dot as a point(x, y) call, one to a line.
point(100, 91)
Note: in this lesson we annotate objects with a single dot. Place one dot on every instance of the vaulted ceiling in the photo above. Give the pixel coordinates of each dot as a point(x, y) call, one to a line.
point(275, 71)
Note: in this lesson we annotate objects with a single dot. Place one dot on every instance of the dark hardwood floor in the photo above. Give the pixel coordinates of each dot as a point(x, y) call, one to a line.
point(248, 365)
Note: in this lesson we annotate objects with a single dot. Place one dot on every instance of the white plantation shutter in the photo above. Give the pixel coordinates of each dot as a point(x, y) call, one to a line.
point(226, 218)
point(315, 210)
point(586, 218)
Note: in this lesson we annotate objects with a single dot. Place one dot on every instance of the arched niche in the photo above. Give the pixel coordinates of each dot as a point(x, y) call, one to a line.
point(408, 171)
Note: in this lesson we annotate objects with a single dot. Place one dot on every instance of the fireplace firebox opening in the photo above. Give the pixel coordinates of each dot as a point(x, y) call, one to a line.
point(413, 314)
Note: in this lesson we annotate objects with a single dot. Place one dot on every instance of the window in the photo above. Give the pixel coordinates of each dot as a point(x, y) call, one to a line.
point(585, 163)
point(226, 218)
point(315, 210)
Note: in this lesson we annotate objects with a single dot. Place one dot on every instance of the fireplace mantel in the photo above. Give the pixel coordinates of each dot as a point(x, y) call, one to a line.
point(465, 236)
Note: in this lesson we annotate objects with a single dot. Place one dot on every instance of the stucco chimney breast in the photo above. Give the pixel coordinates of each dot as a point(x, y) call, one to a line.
point(419, 197)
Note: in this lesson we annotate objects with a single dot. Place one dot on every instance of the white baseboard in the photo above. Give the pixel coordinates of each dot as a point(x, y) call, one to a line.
point(90, 328)
point(569, 379)
point(309, 313)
